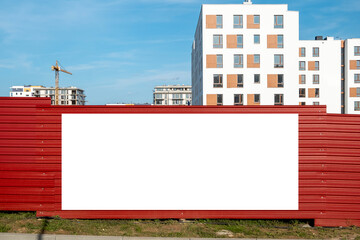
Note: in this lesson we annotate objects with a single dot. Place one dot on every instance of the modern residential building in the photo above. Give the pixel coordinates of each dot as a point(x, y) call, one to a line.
point(23, 91)
point(67, 95)
point(351, 74)
point(172, 95)
point(250, 54)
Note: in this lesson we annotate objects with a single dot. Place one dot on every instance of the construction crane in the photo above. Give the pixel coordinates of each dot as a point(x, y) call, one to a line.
point(57, 68)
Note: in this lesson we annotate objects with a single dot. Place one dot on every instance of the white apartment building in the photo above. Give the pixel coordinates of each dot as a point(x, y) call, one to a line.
point(67, 95)
point(352, 75)
point(172, 95)
point(320, 73)
point(250, 54)
point(23, 91)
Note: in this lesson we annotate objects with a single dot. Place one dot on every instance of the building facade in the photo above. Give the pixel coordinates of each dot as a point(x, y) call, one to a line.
point(23, 91)
point(67, 95)
point(250, 54)
point(172, 95)
point(352, 75)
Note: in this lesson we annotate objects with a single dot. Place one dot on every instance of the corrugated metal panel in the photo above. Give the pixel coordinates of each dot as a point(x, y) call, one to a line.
point(329, 162)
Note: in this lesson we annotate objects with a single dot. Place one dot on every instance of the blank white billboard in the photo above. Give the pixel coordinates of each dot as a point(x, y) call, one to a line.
point(179, 162)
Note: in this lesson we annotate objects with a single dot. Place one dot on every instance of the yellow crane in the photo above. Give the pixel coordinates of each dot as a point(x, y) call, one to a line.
point(57, 68)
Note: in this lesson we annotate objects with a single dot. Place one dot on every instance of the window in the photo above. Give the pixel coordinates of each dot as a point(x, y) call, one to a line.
point(317, 67)
point(317, 92)
point(280, 41)
point(239, 41)
point(357, 106)
point(256, 39)
point(218, 80)
point(302, 52)
point(302, 65)
point(302, 103)
point(278, 21)
point(280, 80)
point(315, 52)
point(358, 64)
point(240, 80)
point(219, 21)
point(256, 58)
point(256, 78)
point(316, 79)
point(357, 92)
point(219, 99)
point(357, 50)
point(219, 61)
point(357, 78)
point(302, 79)
point(279, 99)
point(177, 96)
point(238, 61)
point(256, 19)
point(279, 61)
point(177, 102)
point(238, 21)
point(217, 41)
point(158, 95)
point(238, 99)
point(316, 103)
point(302, 93)
point(256, 98)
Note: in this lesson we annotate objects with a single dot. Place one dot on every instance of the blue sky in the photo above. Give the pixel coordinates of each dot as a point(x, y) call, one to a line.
point(118, 50)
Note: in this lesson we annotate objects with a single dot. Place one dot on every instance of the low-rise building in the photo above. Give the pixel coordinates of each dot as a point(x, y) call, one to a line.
point(67, 95)
point(23, 91)
point(172, 95)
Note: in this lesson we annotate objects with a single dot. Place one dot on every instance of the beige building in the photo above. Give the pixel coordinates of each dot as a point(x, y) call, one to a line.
point(172, 95)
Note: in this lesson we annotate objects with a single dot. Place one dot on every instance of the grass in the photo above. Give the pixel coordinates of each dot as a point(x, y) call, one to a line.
point(26, 222)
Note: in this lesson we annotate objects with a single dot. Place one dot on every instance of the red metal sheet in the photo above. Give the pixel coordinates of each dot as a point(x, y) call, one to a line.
point(19, 198)
point(44, 167)
point(25, 174)
point(28, 191)
point(30, 161)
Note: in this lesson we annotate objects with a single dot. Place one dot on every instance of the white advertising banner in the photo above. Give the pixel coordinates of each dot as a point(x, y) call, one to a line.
point(179, 162)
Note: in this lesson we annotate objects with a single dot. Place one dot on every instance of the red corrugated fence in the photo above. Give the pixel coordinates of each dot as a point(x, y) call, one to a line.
point(329, 162)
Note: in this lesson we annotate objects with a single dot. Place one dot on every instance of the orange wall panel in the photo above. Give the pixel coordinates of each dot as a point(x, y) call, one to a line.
point(231, 81)
point(211, 99)
point(210, 61)
point(272, 41)
point(272, 80)
point(311, 92)
point(250, 100)
point(250, 22)
point(250, 62)
point(352, 64)
point(311, 65)
point(352, 92)
point(210, 21)
point(231, 41)
point(299, 52)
